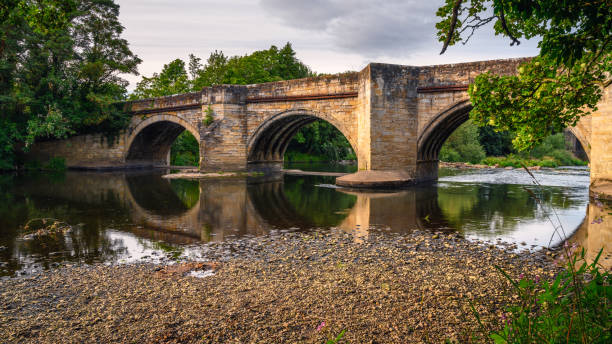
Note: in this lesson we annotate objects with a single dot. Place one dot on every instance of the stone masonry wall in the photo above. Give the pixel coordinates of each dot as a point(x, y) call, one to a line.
point(601, 141)
point(431, 104)
point(81, 151)
point(393, 117)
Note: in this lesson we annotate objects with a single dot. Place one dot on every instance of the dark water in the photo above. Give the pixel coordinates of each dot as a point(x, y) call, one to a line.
point(122, 217)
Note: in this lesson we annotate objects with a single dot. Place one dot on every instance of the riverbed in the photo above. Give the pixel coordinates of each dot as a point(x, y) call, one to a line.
point(141, 217)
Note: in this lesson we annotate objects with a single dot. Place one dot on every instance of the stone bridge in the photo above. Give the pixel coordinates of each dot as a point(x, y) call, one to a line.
point(395, 117)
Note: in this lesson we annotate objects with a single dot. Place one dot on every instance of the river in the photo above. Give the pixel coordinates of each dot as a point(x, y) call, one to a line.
point(126, 217)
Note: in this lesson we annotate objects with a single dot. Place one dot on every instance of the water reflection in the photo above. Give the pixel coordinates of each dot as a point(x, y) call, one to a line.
point(510, 212)
point(595, 233)
point(129, 216)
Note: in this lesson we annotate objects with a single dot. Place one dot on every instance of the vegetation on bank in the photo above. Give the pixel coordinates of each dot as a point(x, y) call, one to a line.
point(482, 145)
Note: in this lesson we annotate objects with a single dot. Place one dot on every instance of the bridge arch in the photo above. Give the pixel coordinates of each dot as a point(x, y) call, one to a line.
point(437, 131)
point(266, 146)
point(151, 139)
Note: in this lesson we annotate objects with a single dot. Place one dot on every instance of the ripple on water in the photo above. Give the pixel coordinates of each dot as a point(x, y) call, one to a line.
point(566, 178)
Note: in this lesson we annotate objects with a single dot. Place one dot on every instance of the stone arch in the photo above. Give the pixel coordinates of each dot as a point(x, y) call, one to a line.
point(267, 145)
point(578, 132)
point(436, 132)
point(150, 140)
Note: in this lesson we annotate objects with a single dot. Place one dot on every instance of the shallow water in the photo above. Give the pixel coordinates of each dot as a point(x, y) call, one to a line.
point(124, 217)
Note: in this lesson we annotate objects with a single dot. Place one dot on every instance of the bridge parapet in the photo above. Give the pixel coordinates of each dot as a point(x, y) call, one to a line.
point(162, 104)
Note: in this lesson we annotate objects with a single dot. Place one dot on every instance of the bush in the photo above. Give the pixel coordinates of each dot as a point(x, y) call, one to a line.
point(566, 158)
point(551, 143)
point(449, 154)
point(56, 164)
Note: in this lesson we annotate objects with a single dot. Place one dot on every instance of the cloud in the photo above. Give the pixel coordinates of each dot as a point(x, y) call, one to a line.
point(371, 29)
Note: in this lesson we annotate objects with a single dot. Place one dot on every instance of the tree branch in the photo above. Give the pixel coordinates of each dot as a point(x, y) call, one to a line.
point(451, 30)
point(502, 18)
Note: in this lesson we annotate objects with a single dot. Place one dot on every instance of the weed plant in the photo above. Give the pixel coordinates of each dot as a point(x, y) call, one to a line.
point(574, 307)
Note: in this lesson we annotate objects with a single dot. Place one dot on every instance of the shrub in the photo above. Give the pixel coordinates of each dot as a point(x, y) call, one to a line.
point(448, 154)
point(551, 143)
point(575, 307)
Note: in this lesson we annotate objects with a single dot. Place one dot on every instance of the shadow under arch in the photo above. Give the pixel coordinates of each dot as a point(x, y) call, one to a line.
point(150, 141)
point(436, 132)
point(267, 145)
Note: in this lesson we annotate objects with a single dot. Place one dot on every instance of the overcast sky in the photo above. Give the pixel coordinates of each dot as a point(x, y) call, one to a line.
point(330, 36)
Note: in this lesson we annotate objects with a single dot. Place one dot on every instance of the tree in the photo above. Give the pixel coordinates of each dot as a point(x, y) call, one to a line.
point(173, 79)
point(463, 145)
point(551, 91)
point(59, 70)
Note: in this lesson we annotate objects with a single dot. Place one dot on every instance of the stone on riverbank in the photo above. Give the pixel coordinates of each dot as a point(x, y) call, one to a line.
point(383, 288)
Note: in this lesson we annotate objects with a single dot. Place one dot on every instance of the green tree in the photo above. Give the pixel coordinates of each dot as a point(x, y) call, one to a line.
point(173, 79)
point(265, 66)
point(551, 91)
point(212, 73)
point(463, 145)
point(321, 139)
point(60, 63)
point(495, 143)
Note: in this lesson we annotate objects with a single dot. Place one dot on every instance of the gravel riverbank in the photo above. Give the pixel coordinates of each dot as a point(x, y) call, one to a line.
point(280, 289)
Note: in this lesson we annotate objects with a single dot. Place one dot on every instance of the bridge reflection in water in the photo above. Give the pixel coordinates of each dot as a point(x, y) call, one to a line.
point(186, 211)
point(157, 210)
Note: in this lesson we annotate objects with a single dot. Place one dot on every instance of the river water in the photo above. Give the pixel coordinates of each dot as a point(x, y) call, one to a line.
point(125, 217)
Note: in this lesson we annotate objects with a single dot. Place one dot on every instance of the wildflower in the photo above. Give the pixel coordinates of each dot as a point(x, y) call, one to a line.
point(321, 325)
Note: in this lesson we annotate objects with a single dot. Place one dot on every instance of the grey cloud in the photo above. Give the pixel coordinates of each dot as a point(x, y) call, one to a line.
point(392, 27)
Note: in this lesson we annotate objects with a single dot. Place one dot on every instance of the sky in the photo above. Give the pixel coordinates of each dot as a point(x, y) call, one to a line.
point(330, 36)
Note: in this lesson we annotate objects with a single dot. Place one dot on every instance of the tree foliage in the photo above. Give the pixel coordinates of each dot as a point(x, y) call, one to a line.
point(551, 91)
point(322, 139)
point(463, 145)
point(60, 62)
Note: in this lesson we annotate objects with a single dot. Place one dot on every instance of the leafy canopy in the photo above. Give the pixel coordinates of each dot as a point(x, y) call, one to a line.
point(551, 91)
point(60, 62)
